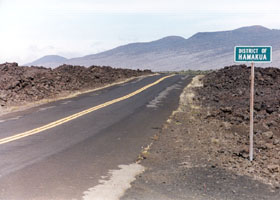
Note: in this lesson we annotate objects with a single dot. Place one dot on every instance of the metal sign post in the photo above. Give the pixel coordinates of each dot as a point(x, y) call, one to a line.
point(252, 54)
point(251, 149)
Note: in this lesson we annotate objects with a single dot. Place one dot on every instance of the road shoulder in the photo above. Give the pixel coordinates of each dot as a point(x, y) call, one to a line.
point(181, 163)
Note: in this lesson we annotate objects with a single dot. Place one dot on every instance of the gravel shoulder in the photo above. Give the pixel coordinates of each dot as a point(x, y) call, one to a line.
point(195, 156)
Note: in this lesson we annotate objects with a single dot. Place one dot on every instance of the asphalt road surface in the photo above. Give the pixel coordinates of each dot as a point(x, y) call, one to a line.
point(61, 149)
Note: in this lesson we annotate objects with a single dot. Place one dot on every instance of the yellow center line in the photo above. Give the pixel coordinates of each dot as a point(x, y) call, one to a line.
point(76, 115)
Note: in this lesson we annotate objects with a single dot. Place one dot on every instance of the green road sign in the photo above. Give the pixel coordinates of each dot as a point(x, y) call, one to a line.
point(258, 54)
point(252, 54)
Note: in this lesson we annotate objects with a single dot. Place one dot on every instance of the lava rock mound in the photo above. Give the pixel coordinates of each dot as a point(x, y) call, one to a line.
point(227, 91)
point(26, 84)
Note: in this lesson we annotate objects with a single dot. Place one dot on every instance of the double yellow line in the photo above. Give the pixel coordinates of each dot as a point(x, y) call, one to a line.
point(79, 114)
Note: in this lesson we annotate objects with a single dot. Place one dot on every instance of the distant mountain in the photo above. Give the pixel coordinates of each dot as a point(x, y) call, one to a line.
point(48, 61)
point(204, 50)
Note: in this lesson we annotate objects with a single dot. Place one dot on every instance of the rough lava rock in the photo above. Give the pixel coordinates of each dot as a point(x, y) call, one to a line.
point(228, 91)
point(26, 84)
point(225, 95)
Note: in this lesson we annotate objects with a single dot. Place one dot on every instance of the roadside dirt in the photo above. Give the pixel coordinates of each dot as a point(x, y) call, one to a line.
point(22, 85)
point(202, 151)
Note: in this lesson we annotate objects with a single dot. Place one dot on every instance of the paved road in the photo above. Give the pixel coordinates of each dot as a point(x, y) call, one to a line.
point(68, 157)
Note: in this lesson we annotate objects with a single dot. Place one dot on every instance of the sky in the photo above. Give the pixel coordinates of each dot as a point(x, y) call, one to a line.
point(31, 29)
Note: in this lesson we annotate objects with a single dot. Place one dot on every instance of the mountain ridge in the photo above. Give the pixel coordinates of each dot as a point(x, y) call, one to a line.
point(203, 50)
point(48, 59)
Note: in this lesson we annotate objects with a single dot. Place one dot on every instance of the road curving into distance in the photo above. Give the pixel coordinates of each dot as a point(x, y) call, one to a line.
point(61, 149)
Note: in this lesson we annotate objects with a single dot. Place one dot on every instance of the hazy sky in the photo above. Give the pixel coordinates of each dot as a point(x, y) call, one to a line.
point(30, 29)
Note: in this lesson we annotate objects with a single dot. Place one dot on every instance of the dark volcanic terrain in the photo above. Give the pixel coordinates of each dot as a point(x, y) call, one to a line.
point(225, 95)
point(19, 85)
point(227, 91)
